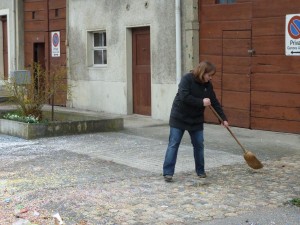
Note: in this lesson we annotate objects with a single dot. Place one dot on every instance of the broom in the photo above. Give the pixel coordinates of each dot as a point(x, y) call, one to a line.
point(250, 158)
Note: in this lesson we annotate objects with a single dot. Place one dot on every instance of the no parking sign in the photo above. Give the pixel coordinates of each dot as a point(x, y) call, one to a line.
point(292, 35)
point(55, 43)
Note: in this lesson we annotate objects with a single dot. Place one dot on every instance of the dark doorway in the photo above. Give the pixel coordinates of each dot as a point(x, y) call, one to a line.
point(39, 67)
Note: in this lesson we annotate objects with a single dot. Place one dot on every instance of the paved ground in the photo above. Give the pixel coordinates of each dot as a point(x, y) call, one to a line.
point(115, 178)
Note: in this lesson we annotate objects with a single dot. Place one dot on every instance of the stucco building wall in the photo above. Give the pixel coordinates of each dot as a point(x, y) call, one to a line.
point(12, 9)
point(109, 88)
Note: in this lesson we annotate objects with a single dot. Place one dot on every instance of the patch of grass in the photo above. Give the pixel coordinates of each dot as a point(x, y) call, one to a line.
point(295, 201)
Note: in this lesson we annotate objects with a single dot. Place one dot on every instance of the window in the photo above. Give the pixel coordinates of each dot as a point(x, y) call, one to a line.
point(225, 1)
point(99, 48)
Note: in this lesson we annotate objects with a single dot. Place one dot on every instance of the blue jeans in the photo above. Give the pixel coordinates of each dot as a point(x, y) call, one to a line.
point(172, 150)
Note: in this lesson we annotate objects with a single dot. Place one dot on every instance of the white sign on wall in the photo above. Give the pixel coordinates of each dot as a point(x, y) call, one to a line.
point(55, 43)
point(292, 35)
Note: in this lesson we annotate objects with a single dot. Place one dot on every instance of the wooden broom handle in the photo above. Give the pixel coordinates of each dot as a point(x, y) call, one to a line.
point(232, 134)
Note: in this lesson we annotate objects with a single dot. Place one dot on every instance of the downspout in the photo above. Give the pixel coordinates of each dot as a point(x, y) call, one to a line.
point(178, 41)
point(16, 35)
point(15, 67)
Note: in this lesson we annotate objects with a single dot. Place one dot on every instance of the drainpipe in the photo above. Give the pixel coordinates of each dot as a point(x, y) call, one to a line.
point(15, 22)
point(178, 41)
point(16, 8)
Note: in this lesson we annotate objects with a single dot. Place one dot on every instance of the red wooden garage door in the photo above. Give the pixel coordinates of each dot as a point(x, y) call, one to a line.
point(262, 90)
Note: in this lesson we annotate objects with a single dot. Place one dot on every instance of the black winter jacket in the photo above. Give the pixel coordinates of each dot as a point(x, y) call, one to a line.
point(187, 111)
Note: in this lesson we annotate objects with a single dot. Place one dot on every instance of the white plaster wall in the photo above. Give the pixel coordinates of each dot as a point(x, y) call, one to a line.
point(109, 88)
point(13, 9)
point(1, 55)
point(6, 9)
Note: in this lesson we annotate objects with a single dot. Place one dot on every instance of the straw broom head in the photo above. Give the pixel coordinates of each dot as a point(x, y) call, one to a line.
point(252, 161)
point(250, 158)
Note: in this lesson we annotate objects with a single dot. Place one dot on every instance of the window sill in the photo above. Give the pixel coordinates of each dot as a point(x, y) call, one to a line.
point(97, 67)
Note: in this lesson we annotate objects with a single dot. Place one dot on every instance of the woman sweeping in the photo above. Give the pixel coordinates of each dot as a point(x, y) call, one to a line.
point(195, 92)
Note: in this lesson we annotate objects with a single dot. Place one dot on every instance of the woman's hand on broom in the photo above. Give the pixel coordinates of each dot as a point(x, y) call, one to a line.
point(206, 102)
point(225, 124)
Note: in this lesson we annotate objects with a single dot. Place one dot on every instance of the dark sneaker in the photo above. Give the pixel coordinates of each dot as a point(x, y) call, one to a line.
point(202, 175)
point(168, 178)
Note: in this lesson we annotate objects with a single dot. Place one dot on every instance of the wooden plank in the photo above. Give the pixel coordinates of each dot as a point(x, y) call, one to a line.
point(63, 60)
point(275, 8)
point(275, 64)
point(211, 46)
point(237, 47)
point(275, 125)
point(214, 29)
point(268, 26)
point(216, 81)
point(275, 112)
point(288, 83)
point(57, 4)
point(226, 12)
point(207, 2)
point(38, 15)
point(58, 24)
point(35, 6)
point(61, 13)
point(236, 65)
point(236, 99)
point(269, 45)
point(218, 93)
point(243, 1)
point(275, 99)
point(238, 117)
point(236, 34)
point(215, 59)
point(236, 82)
point(36, 26)
point(35, 37)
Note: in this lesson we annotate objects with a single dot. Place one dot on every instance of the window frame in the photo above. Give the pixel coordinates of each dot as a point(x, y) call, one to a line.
point(93, 48)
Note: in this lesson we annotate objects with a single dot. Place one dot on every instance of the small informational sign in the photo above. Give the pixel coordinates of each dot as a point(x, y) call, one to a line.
point(292, 35)
point(55, 43)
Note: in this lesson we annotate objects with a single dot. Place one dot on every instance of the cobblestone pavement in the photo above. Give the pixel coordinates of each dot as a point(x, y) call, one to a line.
point(59, 175)
point(115, 178)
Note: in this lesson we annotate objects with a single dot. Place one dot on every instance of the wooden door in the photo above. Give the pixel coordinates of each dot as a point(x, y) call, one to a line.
point(236, 75)
point(141, 76)
point(5, 47)
point(40, 19)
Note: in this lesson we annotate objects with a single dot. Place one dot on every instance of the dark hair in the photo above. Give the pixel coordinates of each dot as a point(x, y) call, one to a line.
point(203, 68)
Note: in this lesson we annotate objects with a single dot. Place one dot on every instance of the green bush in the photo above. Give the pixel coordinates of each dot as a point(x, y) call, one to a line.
point(295, 201)
point(40, 90)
